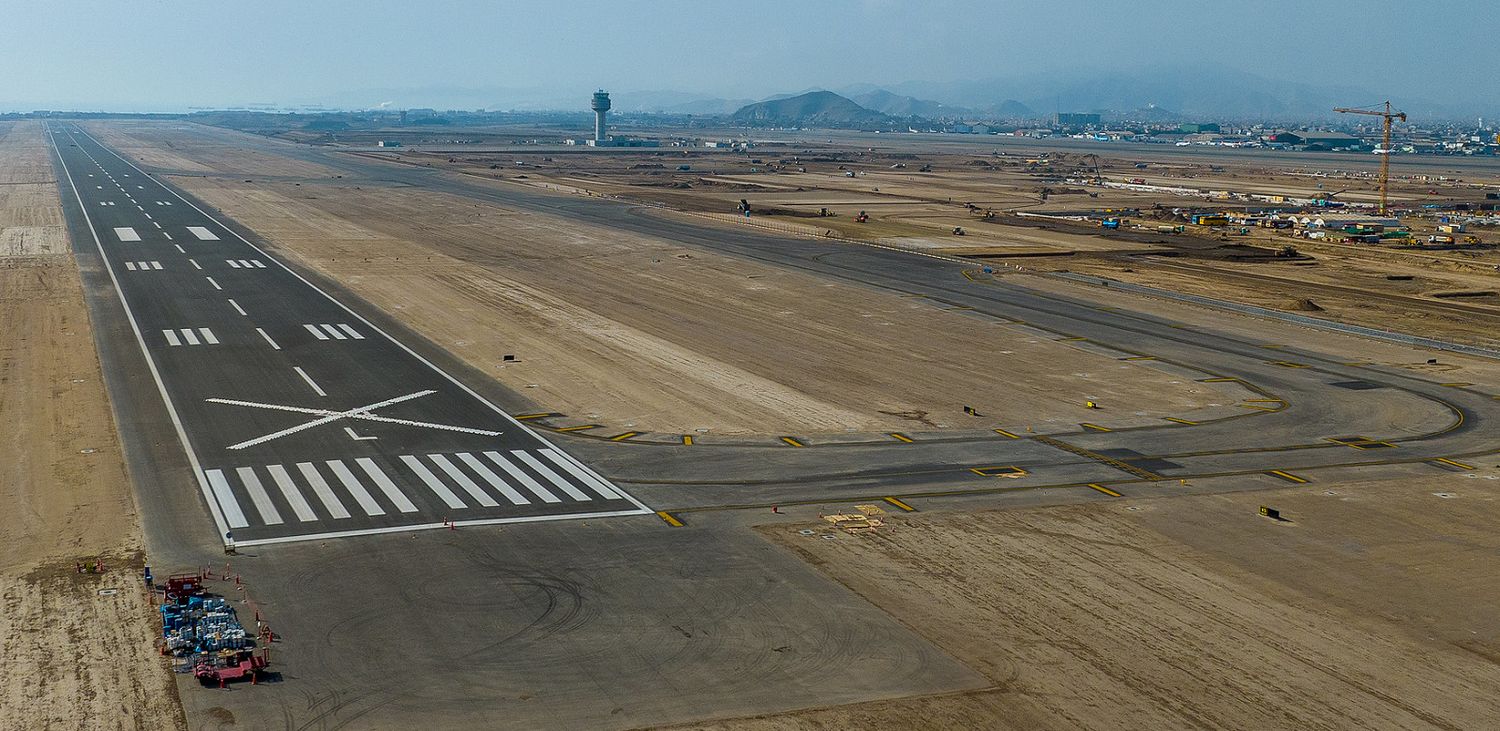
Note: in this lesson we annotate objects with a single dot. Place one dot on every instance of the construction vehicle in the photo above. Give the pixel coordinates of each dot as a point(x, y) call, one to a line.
point(862, 217)
point(1110, 223)
point(1440, 239)
point(1165, 229)
point(958, 230)
point(1471, 239)
point(1385, 147)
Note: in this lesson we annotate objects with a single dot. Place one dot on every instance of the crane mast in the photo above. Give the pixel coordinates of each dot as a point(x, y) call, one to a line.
point(1385, 147)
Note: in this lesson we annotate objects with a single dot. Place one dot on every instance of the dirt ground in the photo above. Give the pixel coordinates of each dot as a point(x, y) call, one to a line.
point(1190, 612)
point(636, 333)
point(73, 653)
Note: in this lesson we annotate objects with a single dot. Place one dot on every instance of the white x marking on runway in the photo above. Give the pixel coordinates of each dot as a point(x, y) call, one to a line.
point(328, 416)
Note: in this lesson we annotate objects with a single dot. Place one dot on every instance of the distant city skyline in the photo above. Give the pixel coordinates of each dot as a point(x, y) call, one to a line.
point(171, 55)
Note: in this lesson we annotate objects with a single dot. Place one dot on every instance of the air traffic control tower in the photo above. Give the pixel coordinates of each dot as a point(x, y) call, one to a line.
point(600, 106)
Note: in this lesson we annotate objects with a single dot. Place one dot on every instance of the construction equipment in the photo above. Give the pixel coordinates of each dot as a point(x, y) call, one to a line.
point(1385, 146)
point(1097, 179)
point(862, 217)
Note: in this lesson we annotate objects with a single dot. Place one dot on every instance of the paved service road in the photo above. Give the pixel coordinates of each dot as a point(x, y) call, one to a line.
point(300, 418)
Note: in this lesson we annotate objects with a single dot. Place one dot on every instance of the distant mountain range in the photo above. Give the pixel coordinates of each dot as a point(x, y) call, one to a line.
point(815, 108)
point(1191, 93)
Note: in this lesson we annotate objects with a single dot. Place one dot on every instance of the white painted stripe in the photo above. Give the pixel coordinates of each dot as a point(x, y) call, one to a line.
point(551, 476)
point(263, 334)
point(322, 490)
point(386, 486)
point(130, 265)
point(433, 483)
point(169, 238)
point(156, 224)
point(179, 248)
point(225, 497)
point(156, 265)
point(202, 233)
point(215, 284)
point(195, 264)
point(463, 480)
point(236, 307)
point(232, 263)
point(309, 380)
point(190, 336)
point(125, 233)
point(148, 216)
point(246, 264)
point(494, 479)
point(171, 337)
point(600, 486)
point(523, 478)
point(316, 332)
point(208, 336)
point(263, 504)
point(361, 495)
point(352, 332)
point(291, 493)
point(258, 263)
point(335, 332)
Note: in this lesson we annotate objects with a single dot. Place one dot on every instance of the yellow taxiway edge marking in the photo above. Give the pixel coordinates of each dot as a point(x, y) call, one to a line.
point(669, 518)
point(1140, 357)
point(1265, 401)
point(1095, 427)
point(580, 427)
point(1181, 327)
point(623, 437)
point(898, 436)
point(687, 440)
point(1357, 363)
point(1289, 477)
point(1273, 346)
point(1104, 490)
point(1456, 385)
point(901, 505)
point(1071, 340)
point(542, 415)
point(1180, 421)
point(1005, 433)
point(1219, 379)
point(958, 307)
point(997, 470)
point(792, 442)
point(1287, 364)
point(1452, 463)
point(1257, 407)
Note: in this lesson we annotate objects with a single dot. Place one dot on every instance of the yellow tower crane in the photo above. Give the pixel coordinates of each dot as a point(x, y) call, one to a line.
point(1385, 146)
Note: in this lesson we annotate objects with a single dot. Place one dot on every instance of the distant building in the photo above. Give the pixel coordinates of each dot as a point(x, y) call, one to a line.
point(1196, 127)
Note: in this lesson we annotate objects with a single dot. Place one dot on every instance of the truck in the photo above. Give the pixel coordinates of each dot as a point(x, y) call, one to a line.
point(1210, 219)
point(1110, 223)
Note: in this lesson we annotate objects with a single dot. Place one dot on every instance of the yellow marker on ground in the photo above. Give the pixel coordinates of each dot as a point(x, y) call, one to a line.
point(580, 427)
point(1452, 463)
point(898, 436)
point(687, 440)
point(1180, 421)
point(1005, 433)
point(1289, 477)
point(623, 437)
point(792, 442)
point(1104, 490)
point(901, 505)
point(1095, 427)
point(669, 518)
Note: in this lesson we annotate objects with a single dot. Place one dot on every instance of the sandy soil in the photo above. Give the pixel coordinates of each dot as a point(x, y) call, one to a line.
point(639, 334)
point(71, 657)
point(1193, 612)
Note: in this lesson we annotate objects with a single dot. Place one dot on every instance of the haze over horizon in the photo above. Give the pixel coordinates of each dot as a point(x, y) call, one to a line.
point(174, 56)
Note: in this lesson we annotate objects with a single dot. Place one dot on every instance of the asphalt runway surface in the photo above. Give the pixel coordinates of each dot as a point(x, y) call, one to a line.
point(304, 420)
point(615, 618)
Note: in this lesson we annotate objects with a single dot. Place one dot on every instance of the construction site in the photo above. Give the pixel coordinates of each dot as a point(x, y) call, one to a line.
point(818, 429)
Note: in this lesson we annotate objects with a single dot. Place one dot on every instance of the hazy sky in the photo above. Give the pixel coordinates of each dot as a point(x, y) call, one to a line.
point(172, 54)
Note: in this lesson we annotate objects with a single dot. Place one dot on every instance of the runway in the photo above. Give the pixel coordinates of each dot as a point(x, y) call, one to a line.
point(302, 419)
point(634, 621)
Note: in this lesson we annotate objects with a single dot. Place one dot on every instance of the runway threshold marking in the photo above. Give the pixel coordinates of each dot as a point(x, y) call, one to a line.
point(898, 436)
point(1006, 434)
point(900, 504)
point(623, 436)
point(1289, 477)
point(1104, 490)
point(1453, 463)
point(792, 442)
point(669, 518)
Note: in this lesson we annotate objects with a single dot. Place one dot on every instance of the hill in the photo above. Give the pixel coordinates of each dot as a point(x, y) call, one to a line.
point(898, 105)
point(815, 108)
